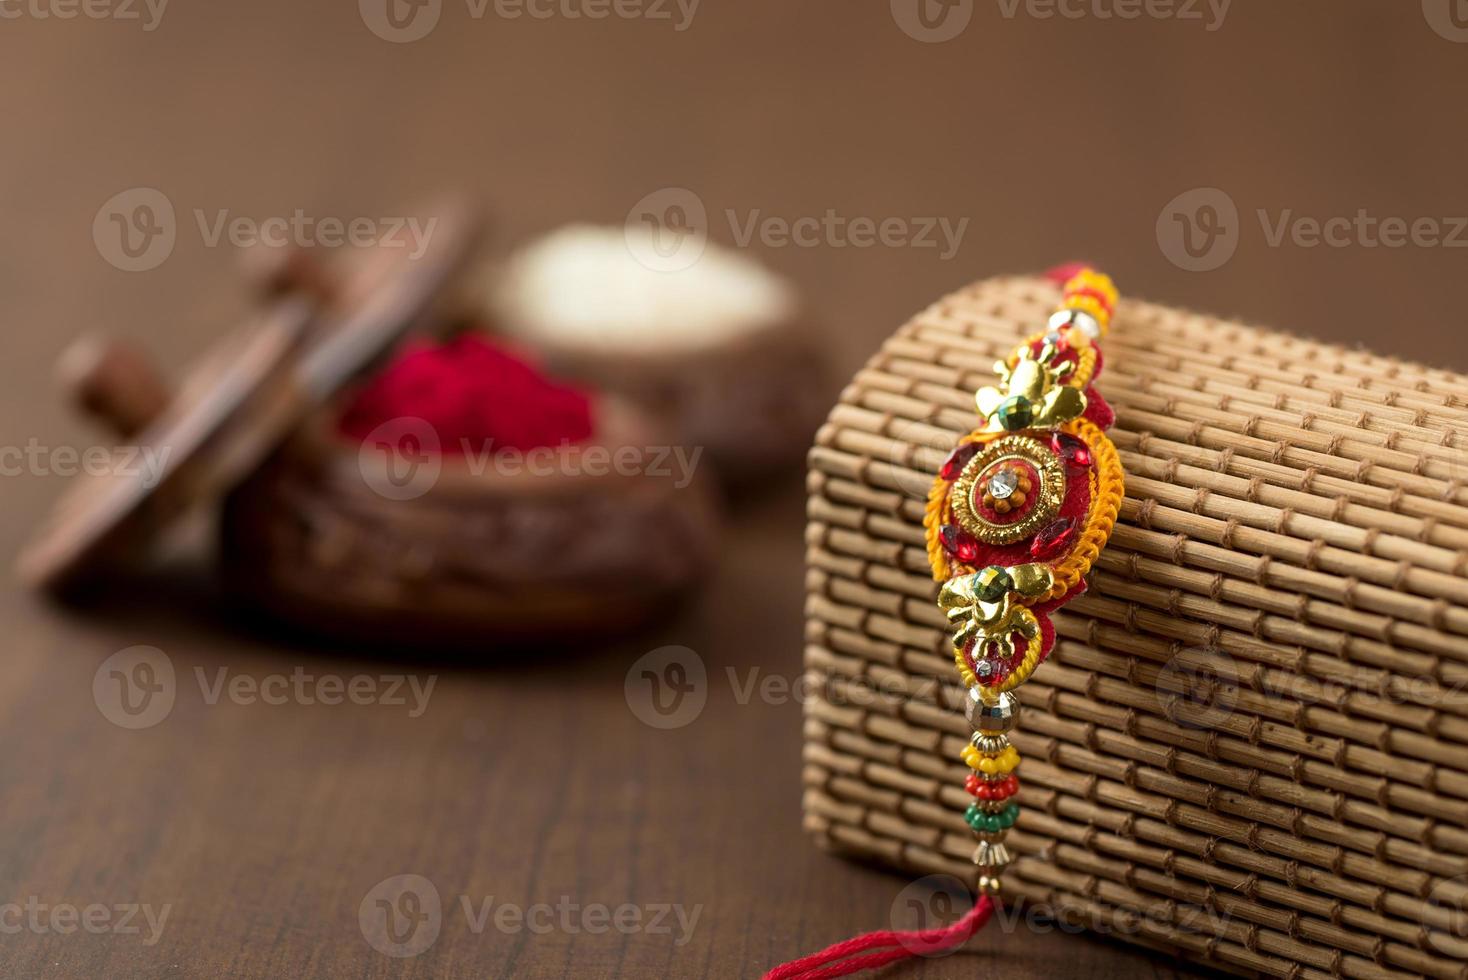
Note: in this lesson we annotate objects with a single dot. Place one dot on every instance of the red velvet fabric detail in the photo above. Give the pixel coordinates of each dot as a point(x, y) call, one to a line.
point(476, 395)
point(1076, 505)
point(1042, 613)
point(1098, 412)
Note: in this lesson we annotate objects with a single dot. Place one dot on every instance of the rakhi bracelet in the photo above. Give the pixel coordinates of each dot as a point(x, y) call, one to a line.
point(1016, 517)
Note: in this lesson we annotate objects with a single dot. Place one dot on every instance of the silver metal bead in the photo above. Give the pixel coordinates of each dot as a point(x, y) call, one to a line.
point(1080, 319)
point(991, 856)
point(989, 744)
point(991, 717)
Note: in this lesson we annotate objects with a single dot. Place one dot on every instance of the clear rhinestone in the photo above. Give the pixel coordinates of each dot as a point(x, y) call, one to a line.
point(1079, 319)
point(1003, 483)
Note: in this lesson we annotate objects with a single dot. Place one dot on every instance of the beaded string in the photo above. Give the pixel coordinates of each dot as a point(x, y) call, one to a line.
point(1017, 515)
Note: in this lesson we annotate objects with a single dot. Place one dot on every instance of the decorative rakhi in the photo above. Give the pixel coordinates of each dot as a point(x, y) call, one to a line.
point(1016, 517)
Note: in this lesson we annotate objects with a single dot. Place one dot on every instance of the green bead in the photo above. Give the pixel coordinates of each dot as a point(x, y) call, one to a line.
point(1009, 815)
point(991, 583)
point(1015, 413)
point(972, 813)
point(991, 822)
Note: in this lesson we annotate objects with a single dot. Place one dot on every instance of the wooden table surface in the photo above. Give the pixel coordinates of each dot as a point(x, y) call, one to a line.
point(527, 782)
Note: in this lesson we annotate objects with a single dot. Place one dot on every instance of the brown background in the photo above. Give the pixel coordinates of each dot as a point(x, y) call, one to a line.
point(528, 778)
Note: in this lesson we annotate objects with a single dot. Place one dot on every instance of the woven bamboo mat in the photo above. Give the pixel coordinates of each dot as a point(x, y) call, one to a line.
point(1250, 745)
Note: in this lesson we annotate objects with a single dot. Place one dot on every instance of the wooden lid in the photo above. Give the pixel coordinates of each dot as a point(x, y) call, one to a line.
point(235, 405)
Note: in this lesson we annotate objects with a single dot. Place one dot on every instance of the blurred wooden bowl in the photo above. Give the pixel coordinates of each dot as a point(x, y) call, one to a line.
point(387, 541)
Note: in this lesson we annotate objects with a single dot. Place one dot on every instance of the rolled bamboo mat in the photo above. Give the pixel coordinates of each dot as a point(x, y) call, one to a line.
point(1250, 745)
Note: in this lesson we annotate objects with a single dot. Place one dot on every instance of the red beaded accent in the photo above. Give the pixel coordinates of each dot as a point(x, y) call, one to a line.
point(1095, 294)
point(1072, 450)
point(1003, 789)
point(991, 789)
point(957, 460)
point(959, 543)
point(1053, 539)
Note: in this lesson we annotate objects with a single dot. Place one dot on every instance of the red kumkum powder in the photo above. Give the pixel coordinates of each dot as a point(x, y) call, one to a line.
point(475, 394)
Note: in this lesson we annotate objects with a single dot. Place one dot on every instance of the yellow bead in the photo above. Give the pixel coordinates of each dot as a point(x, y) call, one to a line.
point(988, 766)
point(1091, 305)
point(970, 756)
point(1092, 279)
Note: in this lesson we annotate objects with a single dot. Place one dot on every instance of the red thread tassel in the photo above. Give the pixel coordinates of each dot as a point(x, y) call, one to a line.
point(819, 966)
